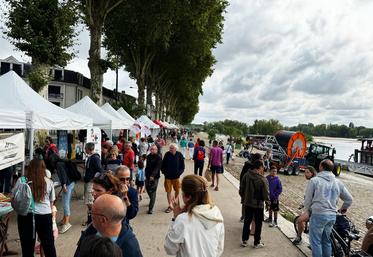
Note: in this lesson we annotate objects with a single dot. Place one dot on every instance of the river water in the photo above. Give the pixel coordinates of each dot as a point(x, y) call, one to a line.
point(344, 146)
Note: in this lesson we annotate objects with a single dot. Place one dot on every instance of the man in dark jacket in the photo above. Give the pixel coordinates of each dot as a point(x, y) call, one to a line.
point(172, 168)
point(108, 213)
point(254, 192)
point(92, 166)
point(152, 175)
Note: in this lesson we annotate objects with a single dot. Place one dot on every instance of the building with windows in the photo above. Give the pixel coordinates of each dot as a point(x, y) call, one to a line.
point(66, 86)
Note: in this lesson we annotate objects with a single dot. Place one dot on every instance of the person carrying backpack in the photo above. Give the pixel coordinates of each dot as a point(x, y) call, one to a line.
point(199, 158)
point(36, 215)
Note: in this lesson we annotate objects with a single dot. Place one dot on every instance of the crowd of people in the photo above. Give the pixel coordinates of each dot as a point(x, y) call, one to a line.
point(115, 181)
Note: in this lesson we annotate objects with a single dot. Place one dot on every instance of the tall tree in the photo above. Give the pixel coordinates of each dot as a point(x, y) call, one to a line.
point(136, 31)
point(44, 30)
point(94, 15)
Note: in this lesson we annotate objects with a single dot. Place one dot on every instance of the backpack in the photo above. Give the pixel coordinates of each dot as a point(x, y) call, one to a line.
point(22, 199)
point(72, 172)
point(200, 155)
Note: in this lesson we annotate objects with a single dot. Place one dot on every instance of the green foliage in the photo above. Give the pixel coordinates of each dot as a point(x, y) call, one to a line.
point(232, 128)
point(43, 29)
point(333, 130)
point(265, 127)
point(166, 45)
point(129, 104)
point(38, 78)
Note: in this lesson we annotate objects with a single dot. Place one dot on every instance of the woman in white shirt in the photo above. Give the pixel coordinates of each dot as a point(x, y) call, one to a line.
point(197, 229)
point(43, 194)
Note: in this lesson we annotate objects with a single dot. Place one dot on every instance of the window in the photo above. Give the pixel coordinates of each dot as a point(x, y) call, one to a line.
point(54, 90)
point(56, 103)
point(5, 67)
point(18, 69)
point(57, 75)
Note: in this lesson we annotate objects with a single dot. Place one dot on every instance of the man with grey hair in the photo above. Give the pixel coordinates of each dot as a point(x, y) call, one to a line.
point(322, 194)
point(172, 167)
point(92, 167)
point(108, 212)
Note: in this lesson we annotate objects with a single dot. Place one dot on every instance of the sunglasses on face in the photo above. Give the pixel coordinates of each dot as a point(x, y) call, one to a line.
point(125, 179)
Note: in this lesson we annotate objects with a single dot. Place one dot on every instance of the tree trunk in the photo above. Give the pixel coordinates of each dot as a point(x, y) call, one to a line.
point(97, 72)
point(140, 92)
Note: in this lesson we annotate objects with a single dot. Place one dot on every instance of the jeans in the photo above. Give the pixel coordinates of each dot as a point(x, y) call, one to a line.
point(320, 230)
point(258, 215)
point(228, 157)
point(5, 179)
point(66, 199)
point(198, 167)
point(151, 189)
point(191, 152)
point(44, 228)
point(183, 149)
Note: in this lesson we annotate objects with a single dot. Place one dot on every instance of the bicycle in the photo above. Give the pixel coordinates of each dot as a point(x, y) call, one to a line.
point(343, 233)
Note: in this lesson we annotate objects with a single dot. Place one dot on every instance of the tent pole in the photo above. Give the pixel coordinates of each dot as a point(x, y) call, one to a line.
point(31, 143)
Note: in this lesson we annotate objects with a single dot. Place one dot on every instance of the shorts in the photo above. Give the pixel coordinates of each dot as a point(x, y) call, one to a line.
point(274, 206)
point(216, 169)
point(88, 193)
point(140, 183)
point(172, 183)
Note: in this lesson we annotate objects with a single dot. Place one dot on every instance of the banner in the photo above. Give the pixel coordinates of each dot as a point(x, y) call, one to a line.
point(12, 150)
point(94, 136)
point(62, 143)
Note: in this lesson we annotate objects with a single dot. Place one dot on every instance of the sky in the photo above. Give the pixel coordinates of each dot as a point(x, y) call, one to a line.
point(295, 61)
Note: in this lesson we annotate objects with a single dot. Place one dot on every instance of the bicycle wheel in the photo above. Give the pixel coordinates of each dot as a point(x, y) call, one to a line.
point(337, 250)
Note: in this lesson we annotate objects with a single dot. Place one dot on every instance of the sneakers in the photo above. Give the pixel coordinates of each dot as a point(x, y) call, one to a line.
point(244, 244)
point(65, 228)
point(268, 220)
point(273, 224)
point(150, 212)
point(257, 246)
point(297, 240)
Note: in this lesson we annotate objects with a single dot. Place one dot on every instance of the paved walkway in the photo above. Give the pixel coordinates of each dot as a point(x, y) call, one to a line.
point(151, 229)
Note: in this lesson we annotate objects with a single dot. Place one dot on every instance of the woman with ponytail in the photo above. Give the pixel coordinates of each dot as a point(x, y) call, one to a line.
point(197, 228)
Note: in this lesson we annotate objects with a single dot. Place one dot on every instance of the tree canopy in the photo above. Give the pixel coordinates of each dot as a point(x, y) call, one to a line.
point(44, 30)
point(167, 47)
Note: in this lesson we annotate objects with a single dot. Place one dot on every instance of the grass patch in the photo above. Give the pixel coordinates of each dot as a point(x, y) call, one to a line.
point(289, 216)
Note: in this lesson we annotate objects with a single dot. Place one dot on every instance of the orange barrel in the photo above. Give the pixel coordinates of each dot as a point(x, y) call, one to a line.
point(292, 142)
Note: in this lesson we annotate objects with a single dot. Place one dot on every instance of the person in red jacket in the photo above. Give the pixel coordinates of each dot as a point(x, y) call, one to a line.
point(129, 157)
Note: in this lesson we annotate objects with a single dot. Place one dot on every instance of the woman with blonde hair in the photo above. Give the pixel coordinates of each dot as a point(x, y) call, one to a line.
point(39, 217)
point(197, 229)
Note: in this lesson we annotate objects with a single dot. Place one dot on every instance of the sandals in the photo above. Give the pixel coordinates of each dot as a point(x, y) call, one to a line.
point(168, 210)
point(216, 188)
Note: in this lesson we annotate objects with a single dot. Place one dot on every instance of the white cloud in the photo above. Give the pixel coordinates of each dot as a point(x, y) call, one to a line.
point(292, 60)
point(301, 61)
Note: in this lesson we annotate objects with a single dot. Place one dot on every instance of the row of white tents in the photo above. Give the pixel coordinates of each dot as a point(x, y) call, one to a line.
point(21, 107)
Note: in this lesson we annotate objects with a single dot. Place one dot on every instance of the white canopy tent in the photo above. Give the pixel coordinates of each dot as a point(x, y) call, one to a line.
point(125, 114)
point(155, 129)
point(16, 94)
point(40, 113)
point(110, 110)
point(100, 118)
point(10, 119)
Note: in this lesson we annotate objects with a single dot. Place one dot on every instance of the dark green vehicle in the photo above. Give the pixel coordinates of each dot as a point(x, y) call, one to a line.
point(318, 152)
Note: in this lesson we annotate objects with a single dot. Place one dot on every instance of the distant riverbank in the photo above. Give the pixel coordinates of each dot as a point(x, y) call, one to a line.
point(344, 146)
